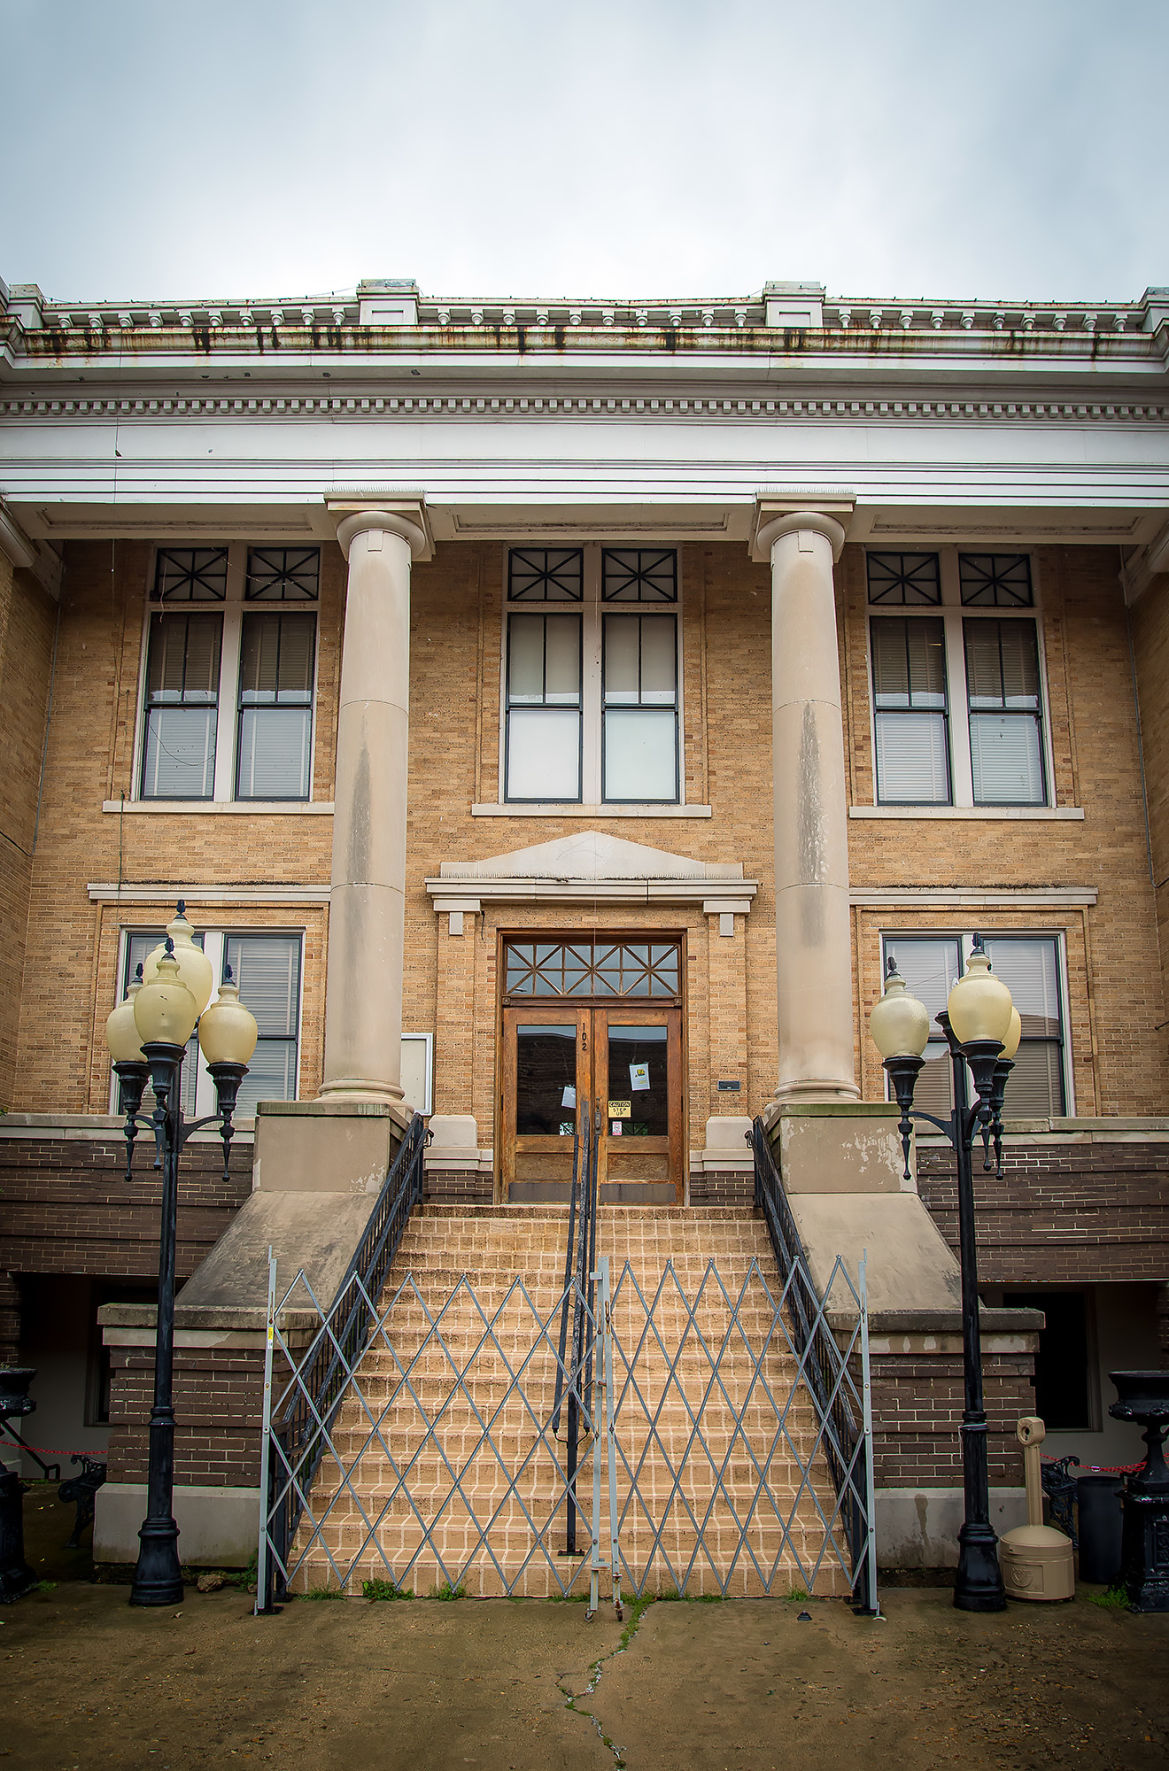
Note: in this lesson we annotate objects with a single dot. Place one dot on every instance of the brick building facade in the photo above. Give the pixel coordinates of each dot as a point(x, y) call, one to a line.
point(742, 645)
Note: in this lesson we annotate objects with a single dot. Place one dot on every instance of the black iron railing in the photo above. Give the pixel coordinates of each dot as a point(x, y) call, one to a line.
point(577, 1309)
point(302, 1431)
point(819, 1356)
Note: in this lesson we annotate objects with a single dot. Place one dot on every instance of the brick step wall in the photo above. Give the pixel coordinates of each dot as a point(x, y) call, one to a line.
point(489, 1247)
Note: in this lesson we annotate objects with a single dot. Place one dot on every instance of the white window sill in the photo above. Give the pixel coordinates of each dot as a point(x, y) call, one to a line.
point(269, 808)
point(573, 809)
point(1012, 813)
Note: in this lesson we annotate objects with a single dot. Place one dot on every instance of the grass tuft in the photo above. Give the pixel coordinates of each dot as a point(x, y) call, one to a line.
point(324, 1593)
point(1112, 1599)
point(379, 1589)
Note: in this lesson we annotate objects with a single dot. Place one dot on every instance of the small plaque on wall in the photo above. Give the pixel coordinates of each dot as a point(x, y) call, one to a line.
point(728, 1088)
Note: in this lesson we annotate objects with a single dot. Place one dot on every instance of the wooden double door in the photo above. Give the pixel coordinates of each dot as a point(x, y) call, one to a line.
point(561, 1059)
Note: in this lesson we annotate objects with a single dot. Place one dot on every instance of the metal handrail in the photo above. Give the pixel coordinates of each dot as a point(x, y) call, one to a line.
point(569, 1266)
point(302, 1431)
point(812, 1338)
point(584, 1259)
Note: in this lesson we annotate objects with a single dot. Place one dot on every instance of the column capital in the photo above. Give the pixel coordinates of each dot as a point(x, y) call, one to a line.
point(825, 514)
point(402, 516)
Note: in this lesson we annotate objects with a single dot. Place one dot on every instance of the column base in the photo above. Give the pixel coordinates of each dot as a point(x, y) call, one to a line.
point(355, 1088)
point(813, 1089)
point(841, 1146)
point(337, 1144)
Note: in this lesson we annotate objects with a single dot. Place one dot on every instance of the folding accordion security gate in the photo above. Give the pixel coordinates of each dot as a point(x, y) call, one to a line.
point(434, 1460)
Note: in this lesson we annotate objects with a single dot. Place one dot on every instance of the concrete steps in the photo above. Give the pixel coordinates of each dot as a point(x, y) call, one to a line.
point(409, 1437)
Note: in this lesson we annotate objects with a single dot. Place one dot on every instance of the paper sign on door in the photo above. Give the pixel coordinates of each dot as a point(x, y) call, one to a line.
point(638, 1077)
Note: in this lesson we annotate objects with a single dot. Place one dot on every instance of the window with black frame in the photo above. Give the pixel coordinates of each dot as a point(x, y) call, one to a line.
point(1030, 967)
point(230, 674)
point(267, 968)
point(591, 676)
point(956, 680)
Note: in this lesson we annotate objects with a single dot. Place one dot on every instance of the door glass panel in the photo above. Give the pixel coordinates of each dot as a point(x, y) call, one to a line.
point(638, 1104)
point(545, 1103)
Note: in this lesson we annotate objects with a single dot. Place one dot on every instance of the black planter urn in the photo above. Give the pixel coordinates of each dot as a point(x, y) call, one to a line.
point(1143, 1396)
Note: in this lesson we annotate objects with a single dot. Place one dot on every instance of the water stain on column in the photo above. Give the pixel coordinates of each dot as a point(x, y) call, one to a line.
point(810, 840)
point(357, 860)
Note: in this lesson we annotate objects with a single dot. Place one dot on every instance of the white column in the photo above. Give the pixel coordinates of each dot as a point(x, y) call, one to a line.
point(363, 999)
point(812, 924)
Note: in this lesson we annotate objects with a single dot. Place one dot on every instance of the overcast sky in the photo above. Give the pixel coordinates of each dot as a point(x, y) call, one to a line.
point(1013, 149)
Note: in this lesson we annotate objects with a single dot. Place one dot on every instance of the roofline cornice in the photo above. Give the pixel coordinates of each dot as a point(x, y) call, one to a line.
point(892, 406)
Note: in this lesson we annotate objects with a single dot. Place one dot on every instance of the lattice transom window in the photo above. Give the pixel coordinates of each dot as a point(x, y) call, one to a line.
point(996, 580)
point(283, 575)
point(190, 575)
point(903, 578)
point(578, 969)
point(545, 575)
point(639, 575)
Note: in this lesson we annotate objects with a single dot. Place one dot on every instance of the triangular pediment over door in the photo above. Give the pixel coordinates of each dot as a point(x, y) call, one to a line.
point(592, 866)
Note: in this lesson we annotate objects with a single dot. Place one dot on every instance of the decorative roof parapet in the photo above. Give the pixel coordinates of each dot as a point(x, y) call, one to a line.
point(395, 304)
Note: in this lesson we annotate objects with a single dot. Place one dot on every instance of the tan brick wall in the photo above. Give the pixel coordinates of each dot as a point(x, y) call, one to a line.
point(27, 621)
point(1116, 999)
point(71, 973)
point(451, 985)
point(1150, 633)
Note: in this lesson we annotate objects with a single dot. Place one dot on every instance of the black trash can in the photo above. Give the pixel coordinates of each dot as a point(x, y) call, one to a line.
point(1098, 1503)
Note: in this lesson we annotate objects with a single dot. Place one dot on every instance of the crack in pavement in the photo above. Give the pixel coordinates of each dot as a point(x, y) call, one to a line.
point(637, 1611)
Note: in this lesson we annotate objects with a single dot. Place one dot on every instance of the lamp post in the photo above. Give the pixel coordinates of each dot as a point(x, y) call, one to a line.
point(147, 1035)
point(982, 1029)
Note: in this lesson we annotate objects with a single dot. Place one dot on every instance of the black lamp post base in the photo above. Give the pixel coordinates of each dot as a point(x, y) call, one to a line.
point(16, 1577)
point(1144, 1397)
point(158, 1579)
point(978, 1584)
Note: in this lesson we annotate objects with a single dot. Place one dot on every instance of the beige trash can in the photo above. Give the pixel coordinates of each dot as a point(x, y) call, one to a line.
point(1037, 1561)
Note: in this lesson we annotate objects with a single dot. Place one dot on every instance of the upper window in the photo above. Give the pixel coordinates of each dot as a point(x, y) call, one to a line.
point(228, 695)
point(957, 697)
point(591, 695)
point(1029, 965)
point(267, 969)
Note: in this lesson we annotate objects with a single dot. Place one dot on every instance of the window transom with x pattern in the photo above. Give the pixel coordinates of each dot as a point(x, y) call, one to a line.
point(647, 969)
